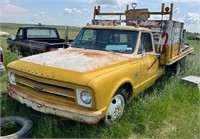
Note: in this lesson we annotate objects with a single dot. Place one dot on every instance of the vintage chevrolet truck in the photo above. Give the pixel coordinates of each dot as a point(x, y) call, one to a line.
point(105, 65)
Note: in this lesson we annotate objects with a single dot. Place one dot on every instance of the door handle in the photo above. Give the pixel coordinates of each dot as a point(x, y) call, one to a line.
point(155, 60)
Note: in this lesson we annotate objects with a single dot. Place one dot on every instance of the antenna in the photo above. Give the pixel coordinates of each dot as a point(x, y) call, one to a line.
point(66, 33)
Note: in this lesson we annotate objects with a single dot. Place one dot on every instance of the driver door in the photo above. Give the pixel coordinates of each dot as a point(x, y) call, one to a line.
point(148, 60)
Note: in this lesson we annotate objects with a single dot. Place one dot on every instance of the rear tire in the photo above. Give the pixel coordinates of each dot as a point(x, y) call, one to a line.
point(176, 68)
point(180, 66)
point(15, 50)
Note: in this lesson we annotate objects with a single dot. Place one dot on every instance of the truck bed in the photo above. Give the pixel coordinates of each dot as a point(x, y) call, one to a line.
point(29, 47)
point(168, 41)
point(179, 56)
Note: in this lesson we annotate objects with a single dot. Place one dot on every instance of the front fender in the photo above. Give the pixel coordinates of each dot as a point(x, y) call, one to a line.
point(106, 85)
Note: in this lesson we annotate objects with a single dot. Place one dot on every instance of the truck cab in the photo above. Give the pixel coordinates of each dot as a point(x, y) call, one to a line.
point(135, 43)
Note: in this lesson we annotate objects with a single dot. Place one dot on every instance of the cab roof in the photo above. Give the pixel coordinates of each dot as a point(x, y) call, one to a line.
point(128, 28)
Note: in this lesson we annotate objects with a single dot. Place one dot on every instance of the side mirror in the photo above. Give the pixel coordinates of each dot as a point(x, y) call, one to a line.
point(12, 37)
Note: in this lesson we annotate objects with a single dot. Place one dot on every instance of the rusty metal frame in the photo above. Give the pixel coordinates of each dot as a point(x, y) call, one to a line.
point(97, 11)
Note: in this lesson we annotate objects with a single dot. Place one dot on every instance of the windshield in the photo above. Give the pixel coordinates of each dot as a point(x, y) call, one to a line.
point(121, 41)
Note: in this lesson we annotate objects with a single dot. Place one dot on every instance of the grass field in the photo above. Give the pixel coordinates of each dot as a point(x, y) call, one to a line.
point(169, 109)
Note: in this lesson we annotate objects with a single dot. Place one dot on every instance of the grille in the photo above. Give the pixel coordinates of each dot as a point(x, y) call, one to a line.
point(46, 90)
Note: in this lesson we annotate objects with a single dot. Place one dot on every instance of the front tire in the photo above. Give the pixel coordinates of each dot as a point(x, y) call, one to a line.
point(116, 107)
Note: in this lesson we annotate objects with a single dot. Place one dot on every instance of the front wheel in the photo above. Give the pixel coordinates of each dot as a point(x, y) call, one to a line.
point(116, 106)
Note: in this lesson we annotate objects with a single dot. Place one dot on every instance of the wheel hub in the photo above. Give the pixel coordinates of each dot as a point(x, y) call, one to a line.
point(115, 109)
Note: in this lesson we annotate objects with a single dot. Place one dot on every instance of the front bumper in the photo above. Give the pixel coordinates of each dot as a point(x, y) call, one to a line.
point(90, 117)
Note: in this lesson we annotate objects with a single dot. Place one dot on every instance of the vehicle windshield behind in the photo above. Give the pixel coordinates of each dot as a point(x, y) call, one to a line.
point(41, 33)
point(121, 41)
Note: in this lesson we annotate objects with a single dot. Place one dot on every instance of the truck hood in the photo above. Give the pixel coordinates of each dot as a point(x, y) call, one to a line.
point(78, 60)
point(77, 65)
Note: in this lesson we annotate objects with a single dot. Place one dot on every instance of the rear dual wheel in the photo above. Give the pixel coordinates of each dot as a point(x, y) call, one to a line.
point(176, 68)
point(179, 66)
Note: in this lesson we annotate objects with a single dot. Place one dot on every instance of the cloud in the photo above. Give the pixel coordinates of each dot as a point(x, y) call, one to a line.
point(10, 10)
point(113, 2)
point(42, 17)
point(39, 15)
point(181, 1)
point(180, 19)
point(191, 22)
point(83, 1)
point(87, 10)
point(71, 11)
point(176, 11)
point(193, 18)
point(105, 3)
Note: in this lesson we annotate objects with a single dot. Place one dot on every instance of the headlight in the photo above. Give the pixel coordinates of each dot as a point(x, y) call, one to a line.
point(84, 97)
point(12, 77)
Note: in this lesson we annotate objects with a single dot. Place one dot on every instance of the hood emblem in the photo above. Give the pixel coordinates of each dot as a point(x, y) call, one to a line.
point(38, 88)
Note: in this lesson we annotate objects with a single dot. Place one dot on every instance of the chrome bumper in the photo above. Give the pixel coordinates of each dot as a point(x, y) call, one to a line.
point(90, 117)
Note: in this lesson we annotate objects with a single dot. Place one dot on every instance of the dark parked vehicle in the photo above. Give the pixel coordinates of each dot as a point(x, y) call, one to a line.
point(35, 39)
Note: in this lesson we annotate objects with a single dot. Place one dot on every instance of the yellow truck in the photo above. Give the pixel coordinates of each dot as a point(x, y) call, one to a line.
point(105, 65)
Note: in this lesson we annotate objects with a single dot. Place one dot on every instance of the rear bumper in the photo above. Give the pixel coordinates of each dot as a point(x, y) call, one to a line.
point(90, 117)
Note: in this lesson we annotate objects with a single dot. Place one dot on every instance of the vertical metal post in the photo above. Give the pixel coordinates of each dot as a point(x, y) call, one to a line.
point(66, 34)
point(162, 12)
point(127, 7)
point(162, 8)
point(99, 8)
point(94, 13)
point(171, 11)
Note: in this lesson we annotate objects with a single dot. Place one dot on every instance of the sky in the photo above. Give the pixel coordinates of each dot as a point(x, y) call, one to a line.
point(80, 12)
